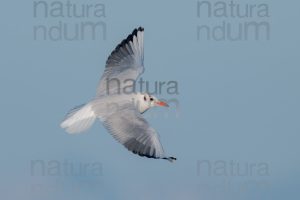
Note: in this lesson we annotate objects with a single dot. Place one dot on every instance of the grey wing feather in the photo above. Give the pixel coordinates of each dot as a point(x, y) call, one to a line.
point(129, 128)
point(126, 62)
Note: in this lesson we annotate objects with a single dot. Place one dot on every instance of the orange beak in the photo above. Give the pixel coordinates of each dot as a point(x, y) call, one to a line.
point(161, 103)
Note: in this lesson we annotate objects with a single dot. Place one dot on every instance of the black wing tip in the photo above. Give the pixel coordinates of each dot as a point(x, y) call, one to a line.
point(171, 159)
point(128, 39)
point(130, 36)
point(144, 155)
point(140, 28)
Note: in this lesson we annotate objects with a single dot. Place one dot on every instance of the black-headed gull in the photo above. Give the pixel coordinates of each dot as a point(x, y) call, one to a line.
point(121, 113)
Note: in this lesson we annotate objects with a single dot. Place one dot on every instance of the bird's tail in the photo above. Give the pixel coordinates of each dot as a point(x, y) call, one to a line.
point(79, 119)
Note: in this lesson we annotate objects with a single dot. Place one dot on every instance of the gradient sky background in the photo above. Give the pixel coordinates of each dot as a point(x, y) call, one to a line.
point(239, 101)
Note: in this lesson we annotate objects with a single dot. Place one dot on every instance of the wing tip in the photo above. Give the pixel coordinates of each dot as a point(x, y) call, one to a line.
point(171, 159)
point(130, 37)
point(140, 29)
point(126, 41)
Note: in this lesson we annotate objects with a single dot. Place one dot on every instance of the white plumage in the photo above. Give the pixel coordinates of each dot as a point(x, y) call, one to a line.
point(121, 113)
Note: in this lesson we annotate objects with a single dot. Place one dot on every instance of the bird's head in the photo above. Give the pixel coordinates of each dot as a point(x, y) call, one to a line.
point(147, 101)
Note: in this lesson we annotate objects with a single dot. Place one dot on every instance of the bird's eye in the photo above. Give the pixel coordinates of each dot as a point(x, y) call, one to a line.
point(151, 99)
point(144, 98)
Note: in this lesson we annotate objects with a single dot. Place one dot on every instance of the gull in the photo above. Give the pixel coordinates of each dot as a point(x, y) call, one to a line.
point(119, 111)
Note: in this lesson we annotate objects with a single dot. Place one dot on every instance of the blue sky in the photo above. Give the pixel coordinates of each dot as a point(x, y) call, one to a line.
point(238, 103)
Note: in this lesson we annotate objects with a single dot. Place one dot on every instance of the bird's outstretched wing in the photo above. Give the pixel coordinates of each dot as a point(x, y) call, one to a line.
point(128, 127)
point(124, 65)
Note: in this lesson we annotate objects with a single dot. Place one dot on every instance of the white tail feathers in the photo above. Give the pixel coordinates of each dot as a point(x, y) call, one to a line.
point(79, 119)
